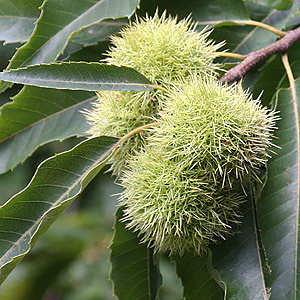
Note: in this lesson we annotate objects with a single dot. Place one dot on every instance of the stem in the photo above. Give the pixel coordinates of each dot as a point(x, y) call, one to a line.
point(131, 134)
point(127, 137)
point(154, 86)
point(231, 55)
point(248, 22)
point(290, 75)
point(262, 25)
point(253, 58)
point(160, 88)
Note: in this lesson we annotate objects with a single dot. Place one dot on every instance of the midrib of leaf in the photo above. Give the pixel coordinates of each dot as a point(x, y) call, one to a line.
point(111, 23)
point(58, 201)
point(257, 240)
point(76, 82)
point(47, 118)
point(17, 17)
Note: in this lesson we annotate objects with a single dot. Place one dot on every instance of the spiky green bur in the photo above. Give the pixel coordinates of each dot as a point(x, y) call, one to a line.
point(161, 48)
point(172, 206)
point(219, 129)
point(184, 190)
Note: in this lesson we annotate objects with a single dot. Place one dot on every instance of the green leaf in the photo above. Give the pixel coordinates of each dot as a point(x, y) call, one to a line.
point(278, 4)
point(279, 204)
point(57, 182)
point(79, 76)
point(58, 21)
point(134, 273)
point(94, 53)
point(38, 116)
point(201, 10)
point(17, 19)
point(238, 261)
point(244, 39)
point(217, 11)
point(294, 18)
point(272, 74)
point(193, 270)
point(99, 32)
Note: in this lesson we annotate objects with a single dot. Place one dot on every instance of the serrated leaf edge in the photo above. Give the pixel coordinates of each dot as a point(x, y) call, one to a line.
point(103, 159)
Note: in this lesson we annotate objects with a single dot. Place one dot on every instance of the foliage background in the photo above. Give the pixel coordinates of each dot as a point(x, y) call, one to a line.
point(71, 260)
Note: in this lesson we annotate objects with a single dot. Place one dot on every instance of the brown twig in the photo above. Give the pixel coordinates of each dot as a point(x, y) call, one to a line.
point(253, 58)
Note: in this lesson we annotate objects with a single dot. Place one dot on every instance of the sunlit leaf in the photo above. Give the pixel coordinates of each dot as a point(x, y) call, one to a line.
point(57, 182)
point(17, 19)
point(79, 76)
point(38, 116)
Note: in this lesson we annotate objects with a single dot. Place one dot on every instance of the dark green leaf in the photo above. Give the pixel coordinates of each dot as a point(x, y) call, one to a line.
point(294, 18)
point(79, 76)
point(58, 21)
point(134, 273)
point(279, 204)
point(91, 43)
point(219, 10)
point(17, 19)
point(201, 10)
point(57, 182)
point(92, 53)
point(37, 116)
point(99, 32)
point(271, 76)
point(278, 4)
point(244, 39)
point(294, 59)
point(238, 261)
point(198, 283)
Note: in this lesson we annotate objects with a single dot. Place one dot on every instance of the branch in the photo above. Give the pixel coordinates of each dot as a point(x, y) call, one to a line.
point(131, 134)
point(253, 58)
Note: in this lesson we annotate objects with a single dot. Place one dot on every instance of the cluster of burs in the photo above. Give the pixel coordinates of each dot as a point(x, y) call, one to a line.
point(182, 178)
